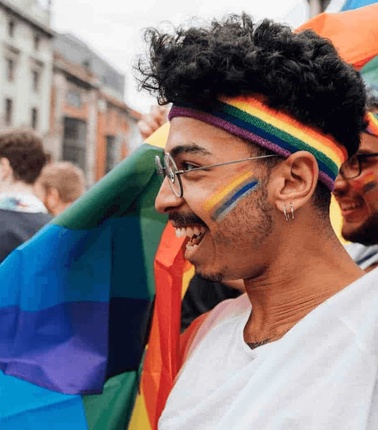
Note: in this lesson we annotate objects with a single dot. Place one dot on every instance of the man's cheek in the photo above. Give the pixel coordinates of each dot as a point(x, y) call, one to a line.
point(366, 182)
point(227, 197)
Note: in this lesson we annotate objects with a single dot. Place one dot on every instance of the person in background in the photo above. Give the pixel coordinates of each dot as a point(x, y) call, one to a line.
point(22, 214)
point(356, 192)
point(59, 185)
point(262, 118)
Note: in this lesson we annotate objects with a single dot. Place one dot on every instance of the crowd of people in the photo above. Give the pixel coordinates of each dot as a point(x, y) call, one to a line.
point(32, 189)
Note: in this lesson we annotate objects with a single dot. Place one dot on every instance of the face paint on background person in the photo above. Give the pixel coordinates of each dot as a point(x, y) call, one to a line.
point(227, 198)
point(366, 182)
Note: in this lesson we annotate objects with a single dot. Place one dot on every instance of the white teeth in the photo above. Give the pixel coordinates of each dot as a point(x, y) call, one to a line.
point(346, 207)
point(189, 231)
point(180, 232)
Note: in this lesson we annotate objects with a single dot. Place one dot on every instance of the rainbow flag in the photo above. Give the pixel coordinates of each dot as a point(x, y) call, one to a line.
point(76, 304)
point(353, 32)
point(369, 71)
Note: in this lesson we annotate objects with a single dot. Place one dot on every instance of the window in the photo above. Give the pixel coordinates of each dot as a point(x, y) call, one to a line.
point(11, 26)
point(111, 153)
point(36, 42)
point(8, 111)
point(74, 141)
point(35, 80)
point(73, 98)
point(34, 118)
point(10, 64)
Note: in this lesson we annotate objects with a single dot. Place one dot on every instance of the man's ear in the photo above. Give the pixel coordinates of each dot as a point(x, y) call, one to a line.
point(52, 198)
point(294, 180)
point(6, 170)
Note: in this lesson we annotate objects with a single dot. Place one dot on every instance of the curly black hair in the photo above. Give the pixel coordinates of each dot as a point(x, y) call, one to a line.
point(299, 73)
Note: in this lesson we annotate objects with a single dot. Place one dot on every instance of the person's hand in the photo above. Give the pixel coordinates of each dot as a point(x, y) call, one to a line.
point(151, 121)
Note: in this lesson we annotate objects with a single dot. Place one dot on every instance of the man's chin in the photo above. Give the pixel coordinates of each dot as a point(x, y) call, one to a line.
point(361, 235)
point(213, 277)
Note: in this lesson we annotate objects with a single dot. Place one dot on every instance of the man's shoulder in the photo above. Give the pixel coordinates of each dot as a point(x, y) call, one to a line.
point(15, 216)
point(226, 312)
point(17, 227)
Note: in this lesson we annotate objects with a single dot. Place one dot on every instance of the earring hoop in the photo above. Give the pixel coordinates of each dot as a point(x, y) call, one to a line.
point(288, 215)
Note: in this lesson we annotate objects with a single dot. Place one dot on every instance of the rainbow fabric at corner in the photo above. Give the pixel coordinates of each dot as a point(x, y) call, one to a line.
point(372, 127)
point(75, 306)
point(355, 4)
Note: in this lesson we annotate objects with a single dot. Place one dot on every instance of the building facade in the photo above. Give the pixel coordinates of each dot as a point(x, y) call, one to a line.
point(57, 85)
point(90, 124)
point(26, 56)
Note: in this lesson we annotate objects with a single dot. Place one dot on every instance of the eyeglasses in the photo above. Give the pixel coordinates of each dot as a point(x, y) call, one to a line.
point(351, 168)
point(170, 170)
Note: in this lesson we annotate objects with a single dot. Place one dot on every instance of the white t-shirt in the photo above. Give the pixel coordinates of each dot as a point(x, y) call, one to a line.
point(322, 374)
point(363, 255)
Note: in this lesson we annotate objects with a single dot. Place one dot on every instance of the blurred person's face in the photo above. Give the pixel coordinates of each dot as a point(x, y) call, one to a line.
point(49, 196)
point(40, 191)
point(6, 172)
point(358, 197)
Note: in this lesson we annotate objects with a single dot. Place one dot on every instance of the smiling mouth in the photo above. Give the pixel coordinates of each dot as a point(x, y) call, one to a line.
point(346, 207)
point(194, 233)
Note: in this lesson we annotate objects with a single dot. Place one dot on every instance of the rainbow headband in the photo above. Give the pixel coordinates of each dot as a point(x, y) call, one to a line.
point(250, 119)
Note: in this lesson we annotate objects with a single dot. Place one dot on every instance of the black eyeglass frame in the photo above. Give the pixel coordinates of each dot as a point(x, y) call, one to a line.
point(359, 158)
point(163, 171)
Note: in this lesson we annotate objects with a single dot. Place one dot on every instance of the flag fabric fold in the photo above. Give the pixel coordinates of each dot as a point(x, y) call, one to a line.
point(353, 32)
point(76, 302)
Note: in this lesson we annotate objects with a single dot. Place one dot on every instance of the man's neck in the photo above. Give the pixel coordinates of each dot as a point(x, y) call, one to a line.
point(288, 294)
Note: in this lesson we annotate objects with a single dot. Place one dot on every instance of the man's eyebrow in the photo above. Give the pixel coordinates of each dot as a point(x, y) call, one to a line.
point(365, 152)
point(192, 148)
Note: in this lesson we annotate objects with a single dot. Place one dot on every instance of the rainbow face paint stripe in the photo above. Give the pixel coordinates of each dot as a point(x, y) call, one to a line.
point(372, 119)
point(250, 119)
point(366, 182)
point(227, 198)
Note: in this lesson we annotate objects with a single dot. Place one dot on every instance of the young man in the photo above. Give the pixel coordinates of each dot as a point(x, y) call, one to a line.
point(22, 214)
point(356, 191)
point(59, 185)
point(258, 133)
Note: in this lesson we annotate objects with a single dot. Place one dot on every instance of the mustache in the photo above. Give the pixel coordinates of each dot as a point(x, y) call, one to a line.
point(182, 220)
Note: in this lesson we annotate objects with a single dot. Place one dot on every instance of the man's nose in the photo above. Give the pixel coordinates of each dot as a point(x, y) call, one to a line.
point(340, 185)
point(166, 200)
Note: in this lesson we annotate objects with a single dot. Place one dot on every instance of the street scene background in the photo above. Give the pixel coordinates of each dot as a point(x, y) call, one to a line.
point(67, 68)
